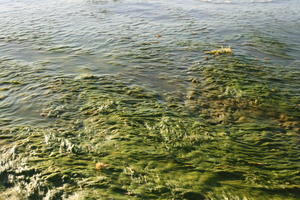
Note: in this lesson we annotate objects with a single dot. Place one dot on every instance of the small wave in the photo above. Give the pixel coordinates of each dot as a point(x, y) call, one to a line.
point(237, 1)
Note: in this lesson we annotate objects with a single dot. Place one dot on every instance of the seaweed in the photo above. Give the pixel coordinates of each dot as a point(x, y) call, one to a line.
point(236, 136)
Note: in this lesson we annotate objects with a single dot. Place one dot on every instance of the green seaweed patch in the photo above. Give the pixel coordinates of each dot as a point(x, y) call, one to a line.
point(228, 141)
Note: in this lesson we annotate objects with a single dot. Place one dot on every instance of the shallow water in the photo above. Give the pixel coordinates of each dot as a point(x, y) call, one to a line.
point(128, 83)
point(109, 37)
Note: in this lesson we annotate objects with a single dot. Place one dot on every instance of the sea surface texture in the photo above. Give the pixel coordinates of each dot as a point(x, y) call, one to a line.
point(149, 99)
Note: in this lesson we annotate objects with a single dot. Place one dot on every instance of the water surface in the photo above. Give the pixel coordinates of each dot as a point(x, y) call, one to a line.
point(128, 83)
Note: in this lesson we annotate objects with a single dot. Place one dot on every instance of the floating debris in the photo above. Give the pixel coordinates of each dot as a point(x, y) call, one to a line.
point(222, 50)
point(100, 166)
point(85, 76)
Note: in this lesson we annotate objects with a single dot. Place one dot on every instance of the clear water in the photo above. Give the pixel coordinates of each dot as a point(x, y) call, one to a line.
point(120, 37)
point(109, 37)
point(154, 44)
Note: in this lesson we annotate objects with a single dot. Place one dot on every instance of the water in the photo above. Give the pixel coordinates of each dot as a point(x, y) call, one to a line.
point(238, 114)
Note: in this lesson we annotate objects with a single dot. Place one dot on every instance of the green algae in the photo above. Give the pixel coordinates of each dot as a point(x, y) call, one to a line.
point(235, 136)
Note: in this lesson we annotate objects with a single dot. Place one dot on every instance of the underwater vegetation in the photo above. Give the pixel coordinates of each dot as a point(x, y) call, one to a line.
point(235, 135)
point(139, 100)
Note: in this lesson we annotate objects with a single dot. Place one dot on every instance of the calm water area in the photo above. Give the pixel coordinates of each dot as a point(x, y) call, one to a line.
point(119, 99)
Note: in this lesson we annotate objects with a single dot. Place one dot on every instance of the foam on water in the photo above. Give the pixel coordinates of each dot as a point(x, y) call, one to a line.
point(238, 1)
